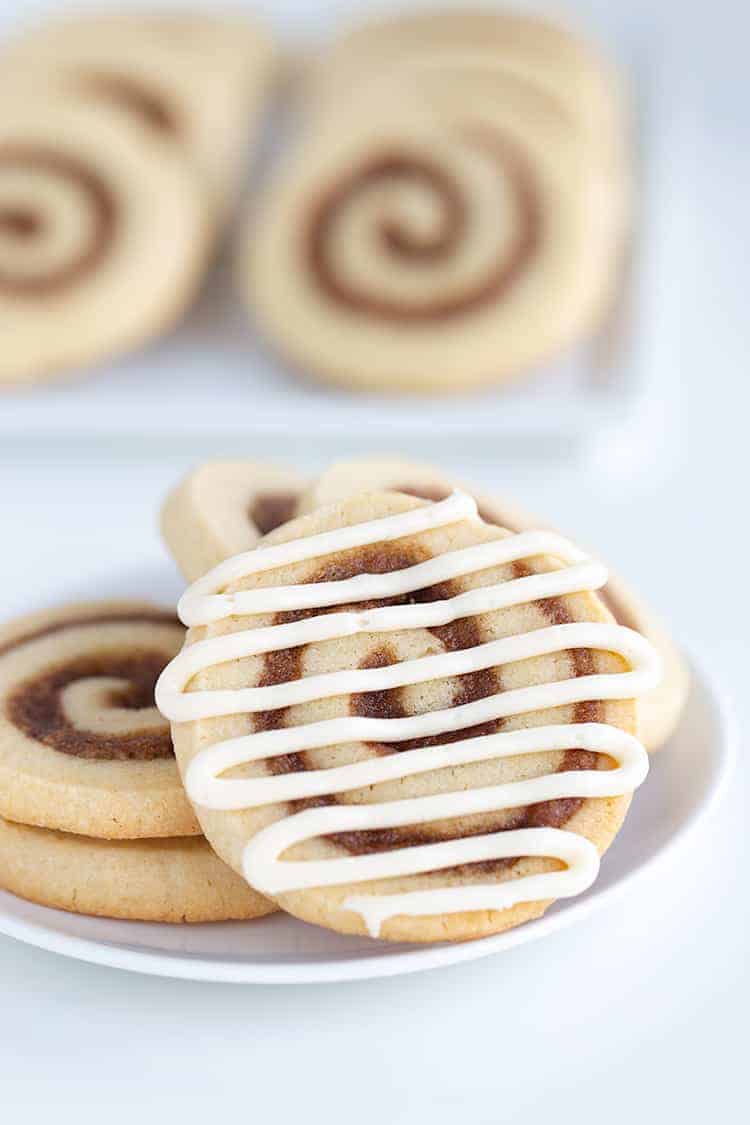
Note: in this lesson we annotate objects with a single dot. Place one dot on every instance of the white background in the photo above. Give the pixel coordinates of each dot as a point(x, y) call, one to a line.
point(641, 1013)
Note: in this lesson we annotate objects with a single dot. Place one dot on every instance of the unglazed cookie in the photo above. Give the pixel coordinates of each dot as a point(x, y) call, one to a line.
point(103, 236)
point(658, 710)
point(416, 710)
point(224, 507)
point(195, 80)
point(433, 236)
point(529, 52)
point(179, 880)
point(82, 747)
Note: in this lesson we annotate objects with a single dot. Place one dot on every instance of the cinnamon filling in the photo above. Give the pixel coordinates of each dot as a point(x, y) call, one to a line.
point(396, 239)
point(286, 665)
point(97, 199)
point(36, 707)
point(616, 607)
point(21, 222)
point(270, 509)
point(131, 95)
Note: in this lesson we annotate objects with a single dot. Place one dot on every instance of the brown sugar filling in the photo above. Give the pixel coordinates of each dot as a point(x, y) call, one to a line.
point(29, 223)
point(286, 665)
point(398, 241)
point(131, 95)
point(270, 509)
point(35, 706)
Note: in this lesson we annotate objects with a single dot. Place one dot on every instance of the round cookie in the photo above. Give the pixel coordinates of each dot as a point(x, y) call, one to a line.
point(470, 693)
point(224, 507)
point(529, 51)
point(659, 710)
point(103, 236)
point(432, 243)
point(196, 81)
point(178, 880)
point(82, 747)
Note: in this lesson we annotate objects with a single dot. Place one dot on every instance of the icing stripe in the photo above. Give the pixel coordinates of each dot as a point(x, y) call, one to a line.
point(262, 862)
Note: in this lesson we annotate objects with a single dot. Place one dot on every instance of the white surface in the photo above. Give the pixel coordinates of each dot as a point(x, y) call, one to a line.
point(640, 1014)
point(685, 782)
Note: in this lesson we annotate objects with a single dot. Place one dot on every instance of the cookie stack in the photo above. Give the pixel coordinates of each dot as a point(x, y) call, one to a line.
point(93, 816)
point(122, 145)
point(456, 207)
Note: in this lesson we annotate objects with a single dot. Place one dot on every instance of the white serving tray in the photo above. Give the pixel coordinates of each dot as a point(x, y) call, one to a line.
point(212, 381)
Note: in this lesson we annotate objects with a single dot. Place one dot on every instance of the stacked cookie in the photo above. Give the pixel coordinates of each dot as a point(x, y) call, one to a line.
point(396, 718)
point(93, 816)
point(455, 210)
point(122, 145)
point(224, 508)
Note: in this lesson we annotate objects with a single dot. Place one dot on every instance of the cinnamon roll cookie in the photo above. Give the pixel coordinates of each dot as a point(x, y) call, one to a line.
point(82, 747)
point(179, 880)
point(197, 81)
point(660, 709)
point(531, 55)
point(396, 719)
point(103, 236)
point(225, 507)
point(433, 240)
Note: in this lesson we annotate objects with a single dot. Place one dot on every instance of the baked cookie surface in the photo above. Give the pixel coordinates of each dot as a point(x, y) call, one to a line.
point(658, 710)
point(103, 235)
point(225, 507)
point(451, 243)
point(82, 747)
point(196, 81)
point(176, 880)
point(425, 811)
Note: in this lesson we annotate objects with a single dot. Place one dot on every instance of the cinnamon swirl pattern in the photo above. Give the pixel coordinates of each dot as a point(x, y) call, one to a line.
point(198, 82)
point(225, 507)
point(103, 236)
point(457, 209)
point(660, 709)
point(313, 789)
point(430, 239)
point(93, 818)
point(82, 747)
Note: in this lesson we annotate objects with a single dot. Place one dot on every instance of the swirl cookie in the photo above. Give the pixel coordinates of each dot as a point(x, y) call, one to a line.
point(432, 243)
point(179, 880)
point(103, 236)
point(531, 55)
point(658, 710)
point(196, 81)
point(225, 507)
point(395, 719)
point(82, 747)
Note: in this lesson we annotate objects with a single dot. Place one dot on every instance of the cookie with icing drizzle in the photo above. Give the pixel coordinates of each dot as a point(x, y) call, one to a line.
point(175, 880)
point(658, 710)
point(196, 81)
point(225, 507)
point(103, 236)
point(396, 719)
point(462, 237)
point(82, 747)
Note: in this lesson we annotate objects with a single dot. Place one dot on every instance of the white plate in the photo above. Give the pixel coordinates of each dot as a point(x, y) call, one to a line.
point(685, 781)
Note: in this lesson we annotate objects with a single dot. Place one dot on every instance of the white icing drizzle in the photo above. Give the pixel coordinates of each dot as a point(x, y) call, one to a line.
point(263, 865)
